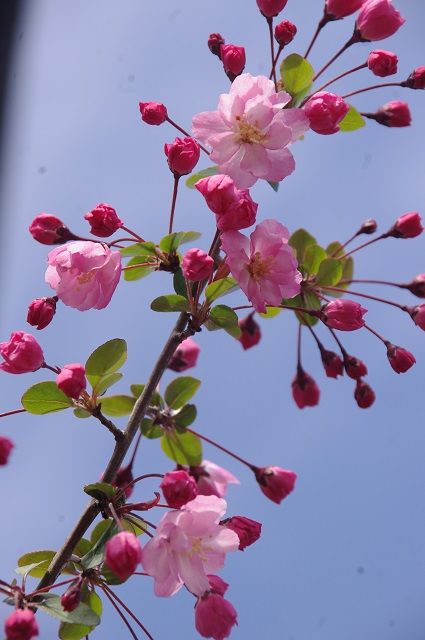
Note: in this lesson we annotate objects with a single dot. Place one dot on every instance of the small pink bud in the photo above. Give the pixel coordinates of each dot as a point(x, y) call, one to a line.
point(393, 114)
point(123, 554)
point(417, 286)
point(123, 479)
point(364, 395)
point(197, 265)
point(214, 617)
point(406, 226)
point(183, 155)
point(103, 220)
point(178, 488)
point(354, 367)
point(48, 229)
point(382, 63)
point(416, 80)
point(338, 9)
point(400, 359)
point(418, 315)
point(72, 380)
point(153, 112)
point(6, 447)
point(325, 111)
point(21, 625)
point(251, 332)
point(275, 483)
point(233, 59)
point(234, 208)
point(368, 227)
point(215, 40)
point(378, 19)
point(305, 391)
point(285, 32)
point(344, 315)
point(271, 8)
point(72, 597)
point(218, 585)
point(22, 354)
point(247, 530)
point(185, 356)
point(41, 312)
point(333, 364)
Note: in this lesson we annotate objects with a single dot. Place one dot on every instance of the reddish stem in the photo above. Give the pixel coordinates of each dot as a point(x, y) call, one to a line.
point(173, 202)
point(365, 295)
point(133, 233)
point(342, 75)
point(219, 446)
point(179, 128)
point(378, 335)
point(323, 21)
point(120, 613)
point(352, 40)
point(362, 246)
point(144, 477)
point(270, 25)
point(274, 62)
point(130, 613)
point(53, 586)
point(374, 86)
point(11, 413)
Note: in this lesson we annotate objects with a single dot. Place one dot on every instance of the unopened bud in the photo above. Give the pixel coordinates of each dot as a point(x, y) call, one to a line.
point(275, 483)
point(154, 113)
point(285, 32)
point(416, 80)
point(332, 363)
point(215, 40)
point(364, 395)
point(400, 359)
point(354, 367)
point(418, 315)
point(305, 391)
point(234, 60)
point(178, 488)
point(72, 597)
point(247, 530)
point(123, 480)
point(41, 312)
point(416, 286)
point(48, 229)
point(393, 114)
point(406, 226)
point(368, 227)
point(251, 332)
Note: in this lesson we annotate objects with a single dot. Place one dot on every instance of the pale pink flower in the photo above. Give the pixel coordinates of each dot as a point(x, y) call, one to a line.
point(212, 480)
point(188, 544)
point(84, 274)
point(250, 131)
point(264, 265)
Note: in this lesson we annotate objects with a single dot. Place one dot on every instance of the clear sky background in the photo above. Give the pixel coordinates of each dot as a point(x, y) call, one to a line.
point(343, 558)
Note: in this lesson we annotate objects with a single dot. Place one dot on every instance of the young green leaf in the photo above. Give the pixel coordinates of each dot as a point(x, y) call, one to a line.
point(170, 302)
point(100, 490)
point(117, 406)
point(137, 273)
point(45, 397)
point(330, 272)
point(183, 448)
point(171, 242)
point(313, 257)
point(180, 391)
point(141, 249)
point(220, 288)
point(352, 120)
point(83, 614)
point(205, 173)
point(96, 554)
point(104, 360)
point(186, 416)
point(224, 317)
point(151, 430)
point(300, 240)
point(297, 74)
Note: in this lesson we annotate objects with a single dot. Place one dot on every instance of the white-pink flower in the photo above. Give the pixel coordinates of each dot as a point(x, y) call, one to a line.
point(189, 544)
point(264, 264)
point(212, 480)
point(250, 131)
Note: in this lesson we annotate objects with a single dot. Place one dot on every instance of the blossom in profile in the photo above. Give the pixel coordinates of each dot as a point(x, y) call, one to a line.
point(21, 354)
point(275, 483)
point(211, 479)
point(264, 264)
point(250, 131)
point(123, 554)
point(378, 19)
point(103, 220)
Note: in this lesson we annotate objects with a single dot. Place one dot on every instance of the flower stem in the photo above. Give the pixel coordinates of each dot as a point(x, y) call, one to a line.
point(378, 335)
point(362, 246)
point(173, 202)
point(365, 295)
point(374, 86)
point(219, 446)
point(11, 413)
point(179, 128)
point(342, 75)
point(117, 433)
point(52, 586)
point(134, 234)
point(354, 38)
point(120, 613)
point(127, 610)
point(274, 62)
point(270, 25)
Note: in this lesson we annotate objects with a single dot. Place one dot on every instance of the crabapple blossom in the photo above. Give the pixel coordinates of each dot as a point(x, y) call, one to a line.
point(271, 8)
point(344, 315)
point(217, 585)
point(182, 155)
point(21, 625)
point(275, 483)
point(197, 265)
point(48, 229)
point(305, 391)
point(400, 359)
point(178, 488)
point(123, 554)
point(215, 40)
point(338, 9)
point(187, 545)
point(233, 59)
point(250, 131)
point(103, 220)
point(251, 332)
point(417, 286)
point(408, 225)
point(72, 597)
point(72, 380)
point(354, 367)
point(393, 114)
point(22, 354)
point(6, 447)
point(234, 208)
point(332, 363)
point(185, 356)
point(211, 479)
point(416, 80)
point(382, 63)
point(378, 19)
point(285, 32)
point(249, 531)
point(264, 265)
point(123, 480)
point(154, 113)
point(325, 111)
point(41, 312)
point(364, 395)
point(84, 274)
point(214, 616)
point(418, 315)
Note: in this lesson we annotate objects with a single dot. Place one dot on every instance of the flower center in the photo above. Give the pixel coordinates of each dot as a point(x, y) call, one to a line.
point(248, 133)
point(85, 277)
point(258, 267)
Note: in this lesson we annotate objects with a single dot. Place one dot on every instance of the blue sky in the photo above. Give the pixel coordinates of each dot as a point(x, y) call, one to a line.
point(343, 557)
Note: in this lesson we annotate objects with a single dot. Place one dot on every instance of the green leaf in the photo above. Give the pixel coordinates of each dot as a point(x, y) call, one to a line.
point(220, 288)
point(35, 563)
point(330, 272)
point(180, 391)
point(82, 413)
point(179, 283)
point(297, 74)
point(223, 317)
point(83, 614)
point(69, 631)
point(96, 554)
point(108, 381)
point(183, 448)
point(171, 242)
point(352, 120)
point(300, 240)
point(117, 406)
point(140, 249)
point(151, 430)
point(307, 300)
point(45, 397)
point(271, 312)
point(335, 249)
point(104, 360)
point(137, 273)
point(313, 257)
point(186, 416)
point(156, 400)
point(82, 547)
point(274, 185)
point(170, 302)
point(100, 490)
point(205, 173)
point(100, 529)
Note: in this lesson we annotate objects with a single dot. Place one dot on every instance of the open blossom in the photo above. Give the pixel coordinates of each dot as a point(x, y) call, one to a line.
point(264, 265)
point(378, 19)
point(84, 274)
point(187, 545)
point(211, 479)
point(22, 354)
point(250, 131)
point(214, 617)
point(234, 208)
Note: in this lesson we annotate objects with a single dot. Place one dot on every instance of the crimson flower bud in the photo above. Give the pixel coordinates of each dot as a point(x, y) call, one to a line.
point(103, 220)
point(123, 554)
point(72, 597)
point(123, 479)
point(214, 616)
point(344, 315)
point(285, 32)
point(305, 391)
point(72, 380)
point(416, 80)
point(406, 226)
point(234, 60)
point(417, 286)
point(378, 19)
point(271, 8)
point(197, 265)
point(338, 9)
point(6, 447)
point(332, 363)
point(183, 155)
point(178, 488)
point(247, 530)
point(217, 584)
point(393, 114)
point(325, 111)
point(382, 63)
point(275, 483)
point(354, 367)
point(21, 625)
point(364, 395)
point(48, 229)
point(368, 227)
point(251, 332)
point(153, 112)
point(41, 312)
point(185, 356)
point(400, 359)
point(215, 40)
point(418, 315)
point(22, 354)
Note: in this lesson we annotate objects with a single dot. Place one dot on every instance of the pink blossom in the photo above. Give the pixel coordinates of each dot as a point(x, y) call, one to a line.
point(341, 8)
point(285, 32)
point(21, 625)
point(416, 80)
point(123, 480)
point(382, 63)
point(72, 596)
point(354, 367)
point(197, 265)
point(178, 488)
point(271, 8)
point(250, 131)
point(325, 111)
point(332, 363)
point(185, 356)
point(103, 220)
point(214, 617)
point(187, 545)
point(123, 554)
point(409, 225)
point(6, 447)
point(218, 585)
point(249, 531)
point(393, 114)
point(233, 59)
point(275, 483)
point(344, 315)
point(22, 354)
point(418, 316)
point(378, 19)
point(182, 155)
point(401, 360)
point(264, 265)
point(48, 229)
point(364, 395)
point(84, 274)
point(234, 208)
point(154, 113)
point(41, 312)
point(72, 380)
point(211, 479)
